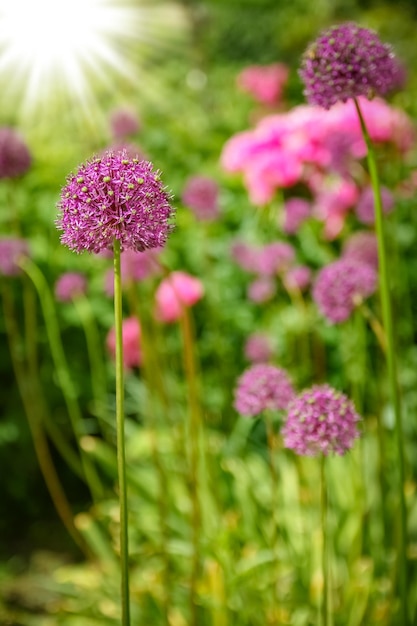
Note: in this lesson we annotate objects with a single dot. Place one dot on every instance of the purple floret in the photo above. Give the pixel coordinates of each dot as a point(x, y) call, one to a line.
point(341, 286)
point(114, 197)
point(263, 387)
point(321, 420)
point(347, 61)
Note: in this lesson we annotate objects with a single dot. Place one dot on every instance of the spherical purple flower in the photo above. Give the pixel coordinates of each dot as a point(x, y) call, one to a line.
point(201, 195)
point(123, 122)
point(341, 286)
point(245, 255)
point(365, 208)
point(11, 251)
point(15, 158)
point(263, 387)
point(321, 420)
point(297, 278)
point(347, 61)
point(114, 197)
point(274, 258)
point(261, 289)
point(296, 211)
point(362, 246)
point(258, 348)
point(69, 286)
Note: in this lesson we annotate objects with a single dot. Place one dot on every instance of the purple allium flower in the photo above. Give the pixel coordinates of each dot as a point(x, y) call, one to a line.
point(274, 258)
point(262, 387)
point(347, 61)
point(133, 151)
point(298, 278)
point(362, 246)
point(15, 158)
point(114, 197)
point(341, 286)
point(201, 194)
point(296, 211)
point(258, 348)
point(365, 208)
point(11, 251)
point(261, 289)
point(123, 122)
point(70, 285)
point(245, 255)
point(321, 420)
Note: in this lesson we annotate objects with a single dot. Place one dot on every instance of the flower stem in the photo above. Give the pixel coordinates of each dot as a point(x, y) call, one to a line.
point(391, 364)
point(324, 545)
point(194, 437)
point(120, 427)
point(62, 371)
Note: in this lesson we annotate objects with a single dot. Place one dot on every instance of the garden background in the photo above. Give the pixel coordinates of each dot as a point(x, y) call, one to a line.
point(224, 522)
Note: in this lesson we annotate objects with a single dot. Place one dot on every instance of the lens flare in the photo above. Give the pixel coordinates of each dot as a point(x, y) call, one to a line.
point(53, 47)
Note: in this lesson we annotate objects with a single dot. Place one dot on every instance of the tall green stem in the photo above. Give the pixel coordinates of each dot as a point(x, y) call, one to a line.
point(194, 436)
point(391, 364)
point(62, 371)
point(324, 545)
point(120, 428)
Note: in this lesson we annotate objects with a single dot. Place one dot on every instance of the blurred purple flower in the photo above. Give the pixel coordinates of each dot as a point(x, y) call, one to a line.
point(274, 258)
point(123, 123)
point(340, 287)
point(263, 387)
point(347, 61)
point(114, 197)
point(261, 289)
point(245, 255)
point(365, 208)
point(296, 211)
point(362, 246)
point(258, 348)
point(135, 266)
point(15, 158)
point(201, 195)
point(321, 420)
point(297, 278)
point(11, 251)
point(69, 286)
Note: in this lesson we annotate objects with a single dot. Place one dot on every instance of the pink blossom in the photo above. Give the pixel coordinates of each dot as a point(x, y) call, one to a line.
point(263, 387)
point(175, 292)
point(123, 122)
point(362, 246)
point(298, 278)
point(274, 258)
point(265, 83)
point(258, 348)
point(365, 207)
point(245, 255)
point(296, 211)
point(332, 204)
point(201, 195)
point(261, 289)
point(131, 333)
point(69, 286)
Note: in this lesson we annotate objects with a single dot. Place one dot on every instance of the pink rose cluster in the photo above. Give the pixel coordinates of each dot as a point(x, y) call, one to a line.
point(316, 149)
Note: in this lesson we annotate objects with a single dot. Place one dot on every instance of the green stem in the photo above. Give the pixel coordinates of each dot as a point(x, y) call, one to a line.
point(120, 428)
point(25, 385)
point(391, 365)
point(325, 547)
point(97, 367)
point(62, 370)
point(194, 436)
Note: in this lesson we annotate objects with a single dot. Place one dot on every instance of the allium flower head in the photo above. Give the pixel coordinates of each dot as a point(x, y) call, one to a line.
point(263, 387)
point(365, 208)
point(298, 278)
point(321, 420)
point(15, 158)
point(261, 289)
point(131, 333)
point(11, 251)
point(340, 286)
point(114, 197)
point(201, 195)
point(274, 258)
point(258, 348)
point(123, 122)
point(362, 246)
point(347, 61)
point(296, 211)
point(70, 285)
